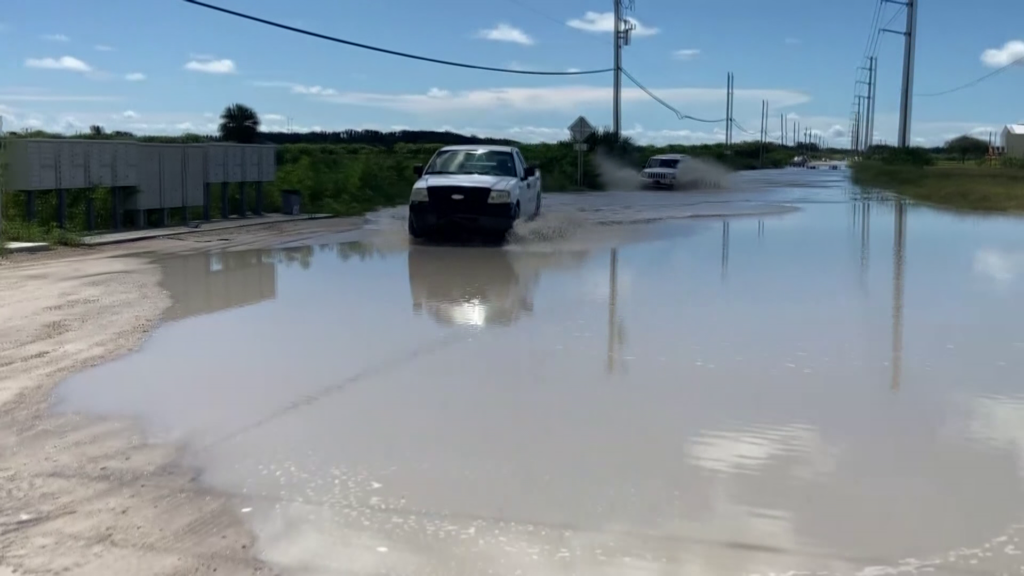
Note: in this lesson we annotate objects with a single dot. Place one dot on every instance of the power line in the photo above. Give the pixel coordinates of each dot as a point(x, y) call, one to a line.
point(976, 81)
point(679, 114)
point(742, 129)
point(387, 51)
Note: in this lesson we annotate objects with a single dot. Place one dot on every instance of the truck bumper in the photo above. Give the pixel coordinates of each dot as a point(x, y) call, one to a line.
point(425, 219)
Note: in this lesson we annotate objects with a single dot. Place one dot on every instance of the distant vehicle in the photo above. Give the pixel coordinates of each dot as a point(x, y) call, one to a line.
point(483, 188)
point(661, 171)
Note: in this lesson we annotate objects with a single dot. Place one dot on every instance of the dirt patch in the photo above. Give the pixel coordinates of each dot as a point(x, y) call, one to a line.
point(83, 495)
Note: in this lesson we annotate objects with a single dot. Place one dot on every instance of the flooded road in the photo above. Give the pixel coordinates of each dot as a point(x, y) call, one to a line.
point(796, 379)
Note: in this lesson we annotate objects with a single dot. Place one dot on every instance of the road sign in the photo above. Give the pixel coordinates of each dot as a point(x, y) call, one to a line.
point(581, 147)
point(580, 129)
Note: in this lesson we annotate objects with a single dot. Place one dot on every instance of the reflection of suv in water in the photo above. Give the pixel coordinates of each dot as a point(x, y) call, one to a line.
point(478, 286)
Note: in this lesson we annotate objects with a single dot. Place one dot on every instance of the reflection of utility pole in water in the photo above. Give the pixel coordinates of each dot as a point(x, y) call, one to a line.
point(760, 230)
point(725, 249)
point(865, 242)
point(613, 295)
point(899, 245)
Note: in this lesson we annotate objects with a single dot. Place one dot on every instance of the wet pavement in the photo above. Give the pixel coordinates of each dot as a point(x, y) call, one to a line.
point(798, 378)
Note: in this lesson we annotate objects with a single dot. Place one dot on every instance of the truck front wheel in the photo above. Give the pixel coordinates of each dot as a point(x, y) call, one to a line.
point(414, 232)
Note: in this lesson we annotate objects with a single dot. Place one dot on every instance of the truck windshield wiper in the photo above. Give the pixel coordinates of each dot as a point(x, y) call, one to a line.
point(438, 172)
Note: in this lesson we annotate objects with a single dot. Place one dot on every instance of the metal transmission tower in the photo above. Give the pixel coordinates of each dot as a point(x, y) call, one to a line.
point(620, 37)
point(909, 47)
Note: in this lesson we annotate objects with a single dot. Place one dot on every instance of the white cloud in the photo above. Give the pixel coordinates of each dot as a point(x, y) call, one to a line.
point(792, 41)
point(103, 48)
point(572, 69)
point(999, 266)
point(686, 54)
point(605, 22)
point(505, 33)
point(35, 95)
point(272, 118)
point(135, 77)
point(56, 38)
point(1012, 51)
point(210, 66)
point(129, 114)
point(63, 63)
point(553, 98)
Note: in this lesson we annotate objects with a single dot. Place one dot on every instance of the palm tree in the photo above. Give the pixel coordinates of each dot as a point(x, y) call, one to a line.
point(239, 123)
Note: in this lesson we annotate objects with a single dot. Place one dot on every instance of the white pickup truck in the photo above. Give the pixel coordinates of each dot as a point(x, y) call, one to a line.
point(477, 187)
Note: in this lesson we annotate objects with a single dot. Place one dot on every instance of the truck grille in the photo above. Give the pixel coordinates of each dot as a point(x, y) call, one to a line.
point(473, 201)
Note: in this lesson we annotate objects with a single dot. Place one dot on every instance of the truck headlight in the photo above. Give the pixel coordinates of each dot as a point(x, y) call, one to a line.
point(418, 195)
point(499, 197)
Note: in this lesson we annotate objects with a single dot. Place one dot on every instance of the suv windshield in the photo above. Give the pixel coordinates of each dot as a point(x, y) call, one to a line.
point(489, 162)
point(663, 163)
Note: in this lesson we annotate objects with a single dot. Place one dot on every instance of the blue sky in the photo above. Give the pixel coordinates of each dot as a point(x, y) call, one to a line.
point(167, 66)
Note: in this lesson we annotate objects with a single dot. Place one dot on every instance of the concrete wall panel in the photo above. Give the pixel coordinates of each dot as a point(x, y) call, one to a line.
point(126, 164)
point(172, 175)
point(71, 164)
point(216, 164)
point(32, 164)
point(252, 157)
point(149, 194)
point(163, 173)
point(268, 164)
point(235, 162)
point(100, 158)
point(195, 174)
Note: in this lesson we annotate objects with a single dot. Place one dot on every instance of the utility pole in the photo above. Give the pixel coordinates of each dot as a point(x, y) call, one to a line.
point(867, 124)
point(728, 110)
point(620, 37)
point(907, 89)
point(764, 131)
point(871, 101)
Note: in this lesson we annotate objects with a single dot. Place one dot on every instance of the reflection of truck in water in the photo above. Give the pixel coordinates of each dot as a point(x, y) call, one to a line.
point(478, 286)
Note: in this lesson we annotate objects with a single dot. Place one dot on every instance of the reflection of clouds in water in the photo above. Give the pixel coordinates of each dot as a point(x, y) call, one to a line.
point(750, 449)
point(999, 422)
point(1000, 266)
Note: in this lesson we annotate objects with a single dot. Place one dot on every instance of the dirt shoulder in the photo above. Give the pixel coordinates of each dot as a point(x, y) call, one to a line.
point(83, 495)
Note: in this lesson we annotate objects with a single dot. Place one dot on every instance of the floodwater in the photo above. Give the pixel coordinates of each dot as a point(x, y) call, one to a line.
point(830, 384)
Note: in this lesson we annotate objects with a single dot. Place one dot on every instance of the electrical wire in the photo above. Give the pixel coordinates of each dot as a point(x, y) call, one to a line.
point(974, 82)
point(654, 96)
point(742, 129)
point(387, 51)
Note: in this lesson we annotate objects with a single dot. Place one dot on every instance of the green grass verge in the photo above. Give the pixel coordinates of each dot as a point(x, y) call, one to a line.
point(15, 231)
point(961, 186)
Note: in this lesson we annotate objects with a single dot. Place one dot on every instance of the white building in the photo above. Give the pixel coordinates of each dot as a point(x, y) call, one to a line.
point(1013, 140)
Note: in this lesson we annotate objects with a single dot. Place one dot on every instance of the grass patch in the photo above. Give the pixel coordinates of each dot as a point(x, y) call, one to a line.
point(960, 186)
point(15, 231)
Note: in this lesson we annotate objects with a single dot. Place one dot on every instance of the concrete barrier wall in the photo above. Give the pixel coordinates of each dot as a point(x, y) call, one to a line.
point(166, 175)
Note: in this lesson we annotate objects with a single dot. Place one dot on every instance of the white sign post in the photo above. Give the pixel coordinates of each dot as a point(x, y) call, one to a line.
point(579, 131)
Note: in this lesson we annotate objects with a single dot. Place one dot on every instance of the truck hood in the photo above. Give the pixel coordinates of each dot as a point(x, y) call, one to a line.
point(472, 180)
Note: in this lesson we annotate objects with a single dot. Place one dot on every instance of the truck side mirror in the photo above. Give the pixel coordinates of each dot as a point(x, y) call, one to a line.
point(529, 172)
point(418, 170)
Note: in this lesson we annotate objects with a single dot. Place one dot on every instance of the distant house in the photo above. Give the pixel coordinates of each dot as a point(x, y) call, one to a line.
point(1013, 140)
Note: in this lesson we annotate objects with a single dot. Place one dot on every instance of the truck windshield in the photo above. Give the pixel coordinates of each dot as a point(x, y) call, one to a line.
point(663, 163)
point(489, 162)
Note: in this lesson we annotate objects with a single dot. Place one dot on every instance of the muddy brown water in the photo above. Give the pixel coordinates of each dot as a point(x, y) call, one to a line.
point(792, 377)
